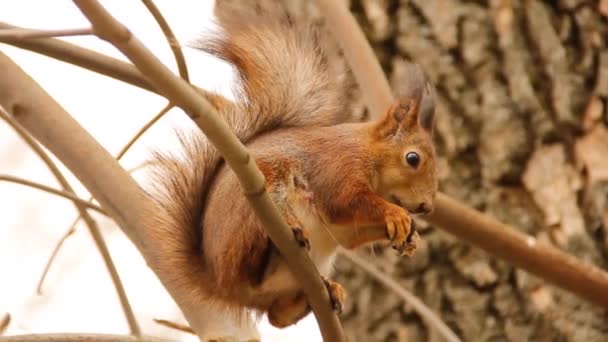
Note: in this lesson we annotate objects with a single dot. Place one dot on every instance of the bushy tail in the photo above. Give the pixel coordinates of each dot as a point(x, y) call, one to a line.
point(287, 80)
point(286, 77)
point(179, 184)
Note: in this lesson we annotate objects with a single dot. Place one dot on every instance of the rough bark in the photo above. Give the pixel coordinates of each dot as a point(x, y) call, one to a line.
point(522, 134)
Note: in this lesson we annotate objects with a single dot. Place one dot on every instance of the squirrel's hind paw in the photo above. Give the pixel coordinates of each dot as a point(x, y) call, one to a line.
point(337, 295)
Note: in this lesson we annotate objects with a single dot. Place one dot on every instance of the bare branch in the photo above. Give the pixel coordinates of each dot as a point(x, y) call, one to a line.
point(93, 61)
point(58, 246)
point(498, 239)
point(235, 154)
point(115, 190)
point(89, 221)
point(143, 130)
point(72, 228)
point(50, 190)
point(173, 43)
point(23, 33)
point(174, 325)
point(432, 320)
point(81, 57)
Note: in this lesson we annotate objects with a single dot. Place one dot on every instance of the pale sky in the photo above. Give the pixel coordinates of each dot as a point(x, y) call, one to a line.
point(78, 296)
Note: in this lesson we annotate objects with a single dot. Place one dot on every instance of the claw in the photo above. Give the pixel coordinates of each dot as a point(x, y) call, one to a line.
point(336, 294)
point(301, 237)
point(413, 231)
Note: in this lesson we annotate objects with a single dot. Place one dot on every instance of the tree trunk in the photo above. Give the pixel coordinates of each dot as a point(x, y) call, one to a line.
point(522, 134)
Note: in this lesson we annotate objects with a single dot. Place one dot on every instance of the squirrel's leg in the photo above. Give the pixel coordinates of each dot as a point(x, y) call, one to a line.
point(286, 192)
point(287, 189)
point(299, 232)
point(374, 219)
point(289, 310)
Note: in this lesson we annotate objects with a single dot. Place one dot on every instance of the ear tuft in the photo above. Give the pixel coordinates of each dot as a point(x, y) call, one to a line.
point(421, 95)
point(427, 107)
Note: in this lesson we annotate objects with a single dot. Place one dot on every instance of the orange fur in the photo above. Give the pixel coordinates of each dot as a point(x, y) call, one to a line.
point(335, 183)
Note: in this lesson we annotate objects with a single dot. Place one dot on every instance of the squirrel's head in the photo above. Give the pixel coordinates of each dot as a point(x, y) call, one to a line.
point(406, 169)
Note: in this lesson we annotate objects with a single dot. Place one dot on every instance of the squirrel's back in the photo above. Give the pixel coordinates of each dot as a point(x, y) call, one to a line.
point(286, 79)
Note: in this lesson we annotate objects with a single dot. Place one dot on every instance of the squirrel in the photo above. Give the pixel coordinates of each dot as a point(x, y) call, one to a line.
point(336, 182)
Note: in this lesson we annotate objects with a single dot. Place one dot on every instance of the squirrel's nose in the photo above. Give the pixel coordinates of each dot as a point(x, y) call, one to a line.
point(424, 208)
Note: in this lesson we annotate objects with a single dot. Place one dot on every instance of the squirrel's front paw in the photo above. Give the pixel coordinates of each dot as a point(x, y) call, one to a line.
point(411, 242)
point(401, 230)
point(336, 294)
point(301, 237)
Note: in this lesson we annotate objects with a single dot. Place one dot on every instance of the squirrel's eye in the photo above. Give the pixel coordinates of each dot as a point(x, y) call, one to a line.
point(413, 159)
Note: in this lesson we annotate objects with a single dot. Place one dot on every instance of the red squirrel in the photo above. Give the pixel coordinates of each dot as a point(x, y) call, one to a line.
point(336, 183)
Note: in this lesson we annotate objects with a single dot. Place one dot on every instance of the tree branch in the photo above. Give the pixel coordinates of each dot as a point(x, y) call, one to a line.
point(89, 221)
point(173, 43)
point(92, 61)
point(498, 239)
point(81, 57)
point(50, 190)
point(72, 228)
point(143, 130)
point(430, 318)
point(235, 154)
point(58, 246)
point(174, 325)
point(23, 33)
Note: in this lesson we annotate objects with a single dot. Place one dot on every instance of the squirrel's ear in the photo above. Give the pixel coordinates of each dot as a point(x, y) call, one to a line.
point(412, 96)
point(427, 108)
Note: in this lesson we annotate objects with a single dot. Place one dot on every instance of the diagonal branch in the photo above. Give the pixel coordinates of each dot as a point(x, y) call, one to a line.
point(95, 61)
point(234, 152)
point(431, 319)
point(81, 57)
point(89, 221)
point(498, 239)
point(72, 228)
point(23, 33)
point(173, 43)
point(50, 190)
point(173, 325)
point(115, 190)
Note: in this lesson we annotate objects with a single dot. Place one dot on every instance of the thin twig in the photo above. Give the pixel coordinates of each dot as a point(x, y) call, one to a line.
point(81, 57)
point(143, 130)
point(171, 39)
point(498, 239)
point(93, 61)
point(234, 152)
point(50, 190)
point(23, 33)
point(89, 221)
point(119, 156)
point(174, 325)
point(130, 207)
point(55, 252)
point(4, 322)
point(431, 319)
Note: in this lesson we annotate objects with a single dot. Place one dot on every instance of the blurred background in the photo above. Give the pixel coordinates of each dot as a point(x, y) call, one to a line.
point(521, 132)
